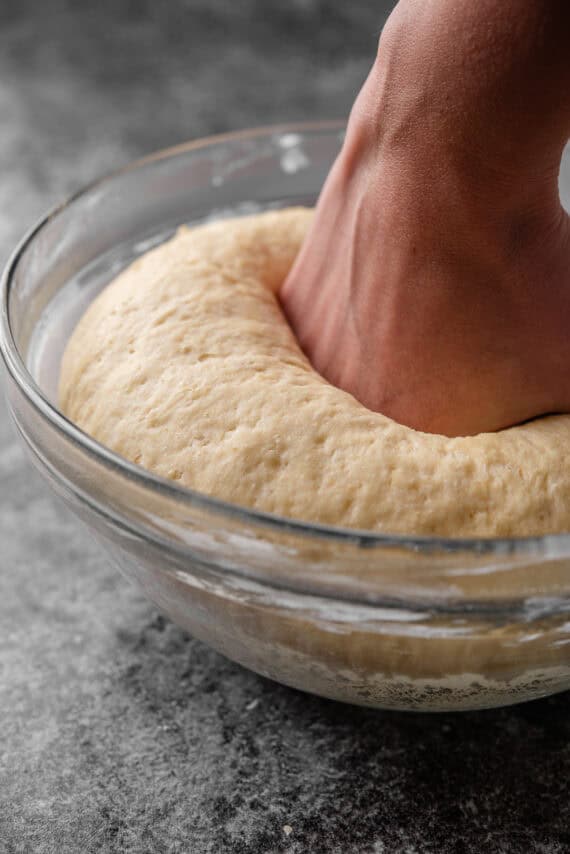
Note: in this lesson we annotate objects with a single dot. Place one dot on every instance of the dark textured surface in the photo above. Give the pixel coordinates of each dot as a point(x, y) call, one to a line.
point(118, 733)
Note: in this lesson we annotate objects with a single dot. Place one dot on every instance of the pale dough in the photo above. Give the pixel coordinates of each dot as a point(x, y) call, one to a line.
point(186, 365)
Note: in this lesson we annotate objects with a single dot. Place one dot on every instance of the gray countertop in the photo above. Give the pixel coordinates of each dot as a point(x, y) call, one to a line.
point(118, 732)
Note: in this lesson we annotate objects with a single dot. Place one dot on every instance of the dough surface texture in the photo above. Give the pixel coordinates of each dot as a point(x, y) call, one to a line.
point(185, 365)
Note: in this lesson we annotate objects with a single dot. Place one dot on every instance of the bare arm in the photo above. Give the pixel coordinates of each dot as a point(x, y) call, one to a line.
point(435, 282)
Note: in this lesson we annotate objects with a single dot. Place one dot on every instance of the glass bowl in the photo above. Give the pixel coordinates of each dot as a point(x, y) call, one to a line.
point(379, 620)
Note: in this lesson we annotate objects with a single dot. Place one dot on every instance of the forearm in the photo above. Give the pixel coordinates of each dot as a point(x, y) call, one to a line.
point(498, 69)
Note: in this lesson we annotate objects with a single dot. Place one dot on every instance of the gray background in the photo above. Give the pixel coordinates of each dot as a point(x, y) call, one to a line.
point(118, 732)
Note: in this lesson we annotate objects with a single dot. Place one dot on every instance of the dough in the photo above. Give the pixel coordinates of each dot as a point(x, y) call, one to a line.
point(186, 365)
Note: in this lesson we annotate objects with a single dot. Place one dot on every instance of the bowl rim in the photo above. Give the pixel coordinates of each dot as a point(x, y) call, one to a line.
point(556, 545)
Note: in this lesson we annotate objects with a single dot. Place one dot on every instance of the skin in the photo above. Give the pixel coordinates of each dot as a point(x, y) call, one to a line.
point(434, 284)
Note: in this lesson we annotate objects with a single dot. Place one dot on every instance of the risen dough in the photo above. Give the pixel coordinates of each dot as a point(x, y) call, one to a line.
point(186, 365)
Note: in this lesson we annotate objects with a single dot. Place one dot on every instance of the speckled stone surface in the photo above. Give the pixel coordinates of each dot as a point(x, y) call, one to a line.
point(118, 732)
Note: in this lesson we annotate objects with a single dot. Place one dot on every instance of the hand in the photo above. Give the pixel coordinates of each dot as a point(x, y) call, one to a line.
point(434, 284)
